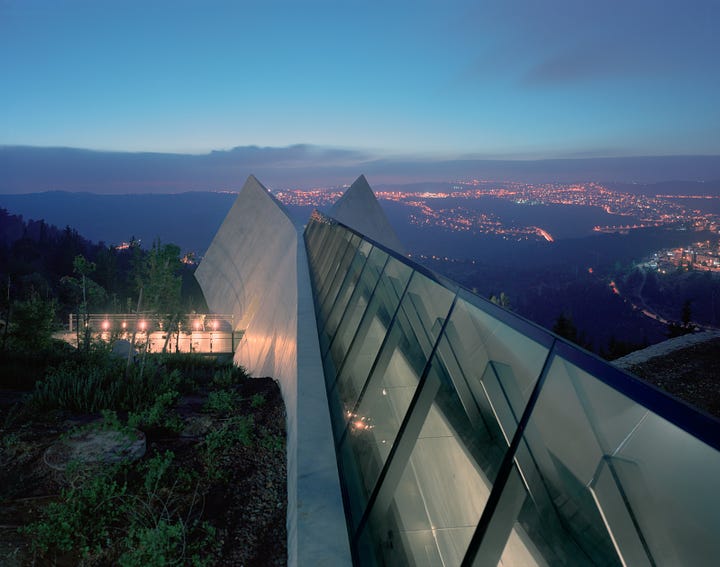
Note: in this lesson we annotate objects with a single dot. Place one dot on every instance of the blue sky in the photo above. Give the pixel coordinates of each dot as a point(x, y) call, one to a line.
point(488, 79)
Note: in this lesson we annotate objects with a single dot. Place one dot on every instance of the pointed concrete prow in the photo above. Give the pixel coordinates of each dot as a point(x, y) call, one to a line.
point(359, 209)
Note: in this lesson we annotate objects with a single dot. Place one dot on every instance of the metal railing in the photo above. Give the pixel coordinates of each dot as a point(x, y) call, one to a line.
point(192, 332)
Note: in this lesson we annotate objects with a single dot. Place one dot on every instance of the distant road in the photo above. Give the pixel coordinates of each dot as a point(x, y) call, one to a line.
point(647, 311)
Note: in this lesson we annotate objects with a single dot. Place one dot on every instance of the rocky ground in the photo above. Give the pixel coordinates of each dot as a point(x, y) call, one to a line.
point(691, 373)
point(246, 503)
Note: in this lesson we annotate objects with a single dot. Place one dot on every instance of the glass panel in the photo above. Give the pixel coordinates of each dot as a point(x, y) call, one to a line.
point(324, 242)
point(486, 443)
point(369, 336)
point(511, 530)
point(354, 271)
point(358, 304)
point(347, 269)
point(313, 236)
point(500, 365)
point(340, 337)
point(576, 427)
point(425, 306)
point(670, 479)
point(373, 426)
point(443, 488)
point(597, 479)
point(337, 246)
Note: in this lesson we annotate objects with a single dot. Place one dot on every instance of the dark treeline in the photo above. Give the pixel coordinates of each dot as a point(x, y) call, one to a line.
point(35, 256)
point(40, 262)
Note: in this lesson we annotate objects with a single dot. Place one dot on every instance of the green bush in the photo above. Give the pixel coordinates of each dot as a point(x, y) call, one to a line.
point(82, 388)
point(221, 402)
point(166, 544)
point(229, 375)
point(158, 415)
point(220, 442)
point(149, 521)
point(32, 324)
point(95, 381)
point(257, 401)
point(194, 368)
point(84, 518)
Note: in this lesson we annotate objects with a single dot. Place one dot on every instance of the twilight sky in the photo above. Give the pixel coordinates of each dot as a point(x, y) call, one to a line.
point(489, 79)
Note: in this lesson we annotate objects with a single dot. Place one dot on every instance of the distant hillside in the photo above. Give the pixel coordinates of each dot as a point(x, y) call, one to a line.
point(32, 169)
point(189, 220)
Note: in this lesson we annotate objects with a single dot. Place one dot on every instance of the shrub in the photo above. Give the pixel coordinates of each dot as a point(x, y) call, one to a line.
point(220, 442)
point(77, 387)
point(158, 415)
point(32, 323)
point(221, 402)
point(83, 519)
point(229, 376)
point(97, 381)
point(257, 401)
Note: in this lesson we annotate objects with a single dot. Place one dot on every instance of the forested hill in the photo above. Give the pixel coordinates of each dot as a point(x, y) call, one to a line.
point(189, 220)
point(35, 255)
point(38, 259)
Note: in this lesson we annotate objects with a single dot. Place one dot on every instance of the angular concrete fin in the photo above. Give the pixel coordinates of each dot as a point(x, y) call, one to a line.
point(359, 209)
point(253, 186)
point(253, 240)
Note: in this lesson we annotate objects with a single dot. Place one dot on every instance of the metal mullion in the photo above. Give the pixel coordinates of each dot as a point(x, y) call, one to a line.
point(378, 357)
point(337, 246)
point(360, 325)
point(325, 289)
point(506, 468)
point(406, 437)
point(325, 235)
point(340, 279)
point(337, 297)
point(467, 399)
point(350, 299)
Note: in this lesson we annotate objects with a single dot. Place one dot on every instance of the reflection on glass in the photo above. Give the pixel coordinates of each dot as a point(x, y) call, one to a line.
point(444, 484)
point(358, 274)
point(362, 349)
point(597, 477)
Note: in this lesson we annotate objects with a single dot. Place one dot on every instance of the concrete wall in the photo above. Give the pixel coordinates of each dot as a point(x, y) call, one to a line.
point(257, 270)
point(359, 209)
point(250, 270)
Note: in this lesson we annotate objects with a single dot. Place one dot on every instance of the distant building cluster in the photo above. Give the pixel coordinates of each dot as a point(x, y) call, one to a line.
point(702, 256)
point(318, 197)
point(642, 211)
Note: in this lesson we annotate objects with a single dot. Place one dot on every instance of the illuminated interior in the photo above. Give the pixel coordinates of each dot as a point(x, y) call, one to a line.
point(466, 435)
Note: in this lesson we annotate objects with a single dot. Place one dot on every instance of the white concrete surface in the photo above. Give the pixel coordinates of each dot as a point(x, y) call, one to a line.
point(359, 209)
point(256, 269)
point(250, 271)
